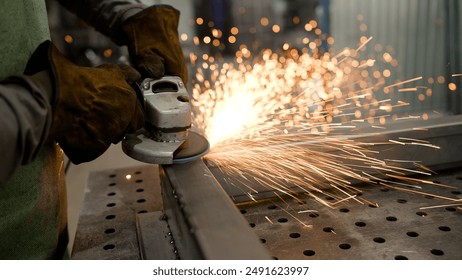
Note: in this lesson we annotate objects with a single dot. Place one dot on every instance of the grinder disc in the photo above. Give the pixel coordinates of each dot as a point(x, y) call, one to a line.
point(194, 147)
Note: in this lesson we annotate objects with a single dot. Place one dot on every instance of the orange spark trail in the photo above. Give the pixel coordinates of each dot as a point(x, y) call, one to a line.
point(281, 120)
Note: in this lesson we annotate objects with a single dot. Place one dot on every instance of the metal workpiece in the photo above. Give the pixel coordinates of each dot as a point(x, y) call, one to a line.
point(442, 132)
point(155, 237)
point(205, 223)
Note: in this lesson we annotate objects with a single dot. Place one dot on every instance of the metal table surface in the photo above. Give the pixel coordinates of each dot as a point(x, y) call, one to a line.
point(397, 229)
point(113, 198)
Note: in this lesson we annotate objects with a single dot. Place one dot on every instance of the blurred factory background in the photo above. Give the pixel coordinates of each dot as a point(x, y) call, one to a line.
point(422, 36)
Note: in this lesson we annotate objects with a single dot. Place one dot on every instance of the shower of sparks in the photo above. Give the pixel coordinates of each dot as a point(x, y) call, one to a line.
point(282, 120)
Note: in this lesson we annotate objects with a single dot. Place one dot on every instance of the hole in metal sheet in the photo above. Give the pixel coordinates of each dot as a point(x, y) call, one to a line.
point(112, 176)
point(456, 192)
point(140, 190)
point(252, 225)
point(450, 209)
point(243, 211)
point(399, 257)
point(328, 229)
point(283, 220)
point(141, 200)
point(139, 181)
point(360, 224)
point(401, 200)
point(379, 240)
point(109, 247)
point(111, 204)
point(263, 240)
point(112, 184)
point(444, 228)
point(344, 210)
point(421, 214)
point(110, 217)
point(437, 252)
point(344, 246)
point(111, 194)
point(137, 172)
point(142, 211)
point(391, 219)
point(109, 231)
point(294, 235)
point(272, 207)
point(309, 253)
point(275, 258)
point(412, 234)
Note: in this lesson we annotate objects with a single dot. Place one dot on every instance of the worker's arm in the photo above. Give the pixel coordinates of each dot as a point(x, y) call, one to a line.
point(83, 109)
point(150, 33)
point(106, 16)
point(25, 119)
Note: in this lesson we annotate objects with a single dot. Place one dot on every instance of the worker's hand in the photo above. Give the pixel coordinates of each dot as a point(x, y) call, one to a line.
point(153, 43)
point(94, 106)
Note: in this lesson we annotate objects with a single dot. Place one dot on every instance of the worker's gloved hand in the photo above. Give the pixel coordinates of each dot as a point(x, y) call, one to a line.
point(94, 107)
point(153, 43)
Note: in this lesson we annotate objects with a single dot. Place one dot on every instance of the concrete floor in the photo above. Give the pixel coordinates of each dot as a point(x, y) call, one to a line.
point(76, 180)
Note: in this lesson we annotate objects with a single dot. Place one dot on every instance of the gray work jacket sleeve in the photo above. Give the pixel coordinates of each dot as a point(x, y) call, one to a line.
point(26, 116)
point(106, 16)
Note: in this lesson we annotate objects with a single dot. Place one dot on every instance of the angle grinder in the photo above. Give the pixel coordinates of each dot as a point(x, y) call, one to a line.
point(166, 137)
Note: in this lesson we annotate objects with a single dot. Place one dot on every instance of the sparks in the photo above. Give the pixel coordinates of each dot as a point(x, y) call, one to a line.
point(282, 119)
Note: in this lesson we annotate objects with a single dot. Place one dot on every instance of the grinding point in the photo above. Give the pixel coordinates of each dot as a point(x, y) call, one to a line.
point(194, 147)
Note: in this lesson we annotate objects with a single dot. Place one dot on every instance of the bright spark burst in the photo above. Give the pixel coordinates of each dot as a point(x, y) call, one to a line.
point(282, 120)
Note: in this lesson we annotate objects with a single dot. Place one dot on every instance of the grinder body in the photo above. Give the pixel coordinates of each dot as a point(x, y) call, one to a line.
point(165, 138)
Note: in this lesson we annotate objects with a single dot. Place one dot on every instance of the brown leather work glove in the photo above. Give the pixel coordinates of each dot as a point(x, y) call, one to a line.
point(153, 43)
point(93, 108)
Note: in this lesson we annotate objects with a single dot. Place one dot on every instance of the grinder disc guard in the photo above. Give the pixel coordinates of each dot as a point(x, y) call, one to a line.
point(142, 147)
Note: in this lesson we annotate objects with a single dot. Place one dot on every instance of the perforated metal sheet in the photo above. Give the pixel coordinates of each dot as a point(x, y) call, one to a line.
point(397, 229)
point(107, 222)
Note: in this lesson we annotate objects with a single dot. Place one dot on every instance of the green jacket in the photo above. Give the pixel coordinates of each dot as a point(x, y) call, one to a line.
point(33, 210)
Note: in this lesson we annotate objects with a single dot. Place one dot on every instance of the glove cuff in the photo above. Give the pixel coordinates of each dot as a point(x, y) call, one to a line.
point(47, 57)
point(40, 61)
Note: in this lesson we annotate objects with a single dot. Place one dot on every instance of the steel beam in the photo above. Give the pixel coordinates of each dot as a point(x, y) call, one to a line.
point(204, 222)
